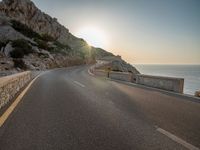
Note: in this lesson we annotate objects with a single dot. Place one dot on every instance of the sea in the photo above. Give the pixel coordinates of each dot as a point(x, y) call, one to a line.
point(191, 74)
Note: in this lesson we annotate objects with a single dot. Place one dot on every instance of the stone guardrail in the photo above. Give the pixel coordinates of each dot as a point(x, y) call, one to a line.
point(123, 76)
point(11, 85)
point(101, 73)
point(165, 83)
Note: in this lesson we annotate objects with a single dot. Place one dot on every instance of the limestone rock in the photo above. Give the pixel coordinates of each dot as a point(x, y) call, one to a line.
point(35, 49)
point(7, 33)
point(27, 13)
point(6, 64)
point(8, 49)
point(1, 52)
point(46, 53)
point(116, 63)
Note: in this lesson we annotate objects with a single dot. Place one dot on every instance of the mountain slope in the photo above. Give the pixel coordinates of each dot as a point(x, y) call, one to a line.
point(50, 44)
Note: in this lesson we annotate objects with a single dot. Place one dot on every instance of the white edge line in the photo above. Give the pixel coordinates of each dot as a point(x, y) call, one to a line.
point(10, 109)
point(177, 139)
point(80, 84)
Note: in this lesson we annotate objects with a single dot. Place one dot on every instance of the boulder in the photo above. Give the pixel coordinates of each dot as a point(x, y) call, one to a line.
point(1, 52)
point(35, 49)
point(7, 33)
point(8, 49)
point(46, 53)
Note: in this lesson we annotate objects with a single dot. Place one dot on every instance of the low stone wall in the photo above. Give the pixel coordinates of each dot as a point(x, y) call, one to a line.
point(121, 76)
point(101, 73)
point(10, 85)
point(165, 83)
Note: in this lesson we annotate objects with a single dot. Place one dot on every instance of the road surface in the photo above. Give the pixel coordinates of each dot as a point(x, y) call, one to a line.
point(67, 109)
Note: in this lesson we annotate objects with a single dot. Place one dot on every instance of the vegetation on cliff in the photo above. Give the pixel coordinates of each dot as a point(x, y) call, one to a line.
point(21, 48)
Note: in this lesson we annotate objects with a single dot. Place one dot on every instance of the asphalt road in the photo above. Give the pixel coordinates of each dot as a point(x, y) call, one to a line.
point(67, 109)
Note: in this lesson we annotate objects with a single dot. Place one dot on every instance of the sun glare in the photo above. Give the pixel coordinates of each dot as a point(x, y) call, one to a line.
point(94, 36)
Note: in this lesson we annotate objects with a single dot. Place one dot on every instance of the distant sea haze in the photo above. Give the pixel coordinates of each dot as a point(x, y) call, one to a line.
point(191, 74)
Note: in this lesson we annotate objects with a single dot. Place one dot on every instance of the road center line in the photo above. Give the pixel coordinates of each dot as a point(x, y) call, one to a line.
point(177, 139)
point(80, 84)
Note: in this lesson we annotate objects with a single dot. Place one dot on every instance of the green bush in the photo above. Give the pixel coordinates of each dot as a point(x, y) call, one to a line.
point(17, 53)
point(24, 29)
point(23, 45)
point(62, 46)
point(42, 44)
point(19, 63)
point(21, 48)
point(2, 44)
point(46, 37)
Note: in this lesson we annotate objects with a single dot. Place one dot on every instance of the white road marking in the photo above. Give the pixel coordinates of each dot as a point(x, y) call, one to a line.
point(80, 84)
point(177, 139)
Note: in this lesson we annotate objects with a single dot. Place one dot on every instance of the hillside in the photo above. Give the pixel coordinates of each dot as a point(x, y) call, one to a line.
point(33, 40)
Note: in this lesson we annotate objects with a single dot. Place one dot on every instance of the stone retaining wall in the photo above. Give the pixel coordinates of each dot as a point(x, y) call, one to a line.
point(165, 83)
point(10, 85)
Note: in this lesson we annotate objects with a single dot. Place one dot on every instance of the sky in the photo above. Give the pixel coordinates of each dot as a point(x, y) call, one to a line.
point(141, 31)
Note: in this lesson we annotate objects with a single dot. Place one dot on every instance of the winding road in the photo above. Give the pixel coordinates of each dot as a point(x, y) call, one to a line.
point(68, 109)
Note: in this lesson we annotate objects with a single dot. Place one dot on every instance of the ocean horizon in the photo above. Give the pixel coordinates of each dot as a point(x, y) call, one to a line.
point(190, 73)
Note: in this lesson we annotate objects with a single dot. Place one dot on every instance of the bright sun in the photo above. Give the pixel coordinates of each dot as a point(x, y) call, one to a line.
point(94, 36)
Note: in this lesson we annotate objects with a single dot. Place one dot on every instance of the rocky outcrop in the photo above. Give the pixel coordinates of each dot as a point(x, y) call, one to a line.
point(8, 49)
point(8, 33)
point(116, 63)
point(6, 64)
point(27, 13)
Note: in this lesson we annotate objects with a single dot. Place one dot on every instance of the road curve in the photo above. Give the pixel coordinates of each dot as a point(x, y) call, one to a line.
point(67, 109)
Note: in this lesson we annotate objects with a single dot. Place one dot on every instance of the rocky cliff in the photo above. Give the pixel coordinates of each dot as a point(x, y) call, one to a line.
point(31, 39)
point(27, 13)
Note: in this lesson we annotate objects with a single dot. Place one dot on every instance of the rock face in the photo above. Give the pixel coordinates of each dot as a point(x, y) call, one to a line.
point(8, 33)
point(27, 13)
point(116, 63)
point(8, 49)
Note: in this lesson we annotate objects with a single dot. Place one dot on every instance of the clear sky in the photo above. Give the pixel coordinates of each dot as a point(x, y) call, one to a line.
point(141, 31)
